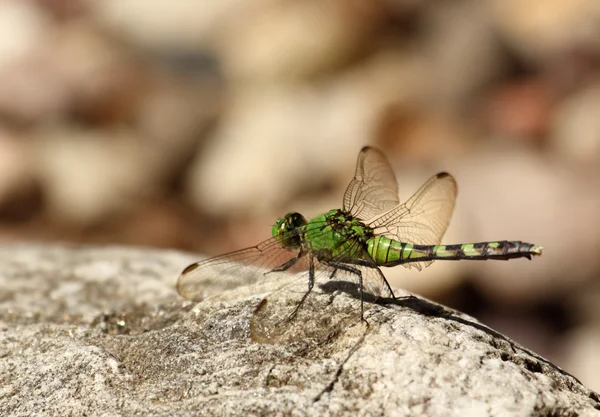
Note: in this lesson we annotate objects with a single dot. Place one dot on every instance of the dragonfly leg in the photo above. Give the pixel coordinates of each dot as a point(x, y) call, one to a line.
point(287, 265)
point(333, 273)
point(354, 271)
point(311, 284)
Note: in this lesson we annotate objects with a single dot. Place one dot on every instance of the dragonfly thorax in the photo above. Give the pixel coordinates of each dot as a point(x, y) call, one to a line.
point(337, 233)
point(285, 230)
point(343, 222)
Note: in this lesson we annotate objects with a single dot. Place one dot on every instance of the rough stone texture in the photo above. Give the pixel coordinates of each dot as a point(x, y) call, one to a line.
point(101, 331)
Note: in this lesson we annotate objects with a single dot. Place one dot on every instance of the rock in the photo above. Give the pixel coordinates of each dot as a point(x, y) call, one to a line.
point(101, 331)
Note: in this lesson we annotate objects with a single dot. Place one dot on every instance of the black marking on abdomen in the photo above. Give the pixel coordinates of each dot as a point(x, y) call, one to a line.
point(455, 249)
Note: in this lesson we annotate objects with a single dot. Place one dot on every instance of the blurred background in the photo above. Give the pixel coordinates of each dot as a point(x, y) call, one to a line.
point(193, 125)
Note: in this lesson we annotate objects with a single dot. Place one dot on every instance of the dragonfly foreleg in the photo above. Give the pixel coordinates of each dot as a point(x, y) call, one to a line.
point(332, 275)
point(354, 271)
point(287, 265)
point(311, 284)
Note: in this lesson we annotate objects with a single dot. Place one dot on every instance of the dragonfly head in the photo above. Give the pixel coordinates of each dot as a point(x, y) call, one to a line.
point(285, 230)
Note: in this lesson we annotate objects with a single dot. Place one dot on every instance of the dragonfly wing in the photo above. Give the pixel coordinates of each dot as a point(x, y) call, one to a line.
point(424, 218)
point(374, 282)
point(374, 188)
point(223, 273)
point(283, 316)
point(292, 313)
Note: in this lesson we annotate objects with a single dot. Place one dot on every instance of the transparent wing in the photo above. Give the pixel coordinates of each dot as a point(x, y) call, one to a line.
point(374, 188)
point(289, 314)
point(250, 267)
point(424, 218)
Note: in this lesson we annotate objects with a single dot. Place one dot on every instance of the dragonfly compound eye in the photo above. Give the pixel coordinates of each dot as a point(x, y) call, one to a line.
point(294, 220)
point(286, 230)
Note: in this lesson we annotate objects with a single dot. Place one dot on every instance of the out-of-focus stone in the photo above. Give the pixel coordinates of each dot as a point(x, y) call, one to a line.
point(581, 354)
point(576, 130)
point(23, 28)
point(463, 51)
point(579, 346)
point(274, 140)
point(295, 40)
point(28, 90)
point(103, 83)
point(87, 175)
point(16, 173)
point(413, 137)
point(173, 116)
point(261, 151)
point(76, 70)
point(185, 24)
point(521, 110)
point(506, 195)
point(523, 196)
point(542, 28)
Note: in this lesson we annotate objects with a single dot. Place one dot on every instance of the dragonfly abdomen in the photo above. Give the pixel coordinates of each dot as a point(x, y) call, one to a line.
point(389, 252)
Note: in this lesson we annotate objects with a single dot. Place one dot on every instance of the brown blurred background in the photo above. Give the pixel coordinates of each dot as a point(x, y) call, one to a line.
point(194, 124)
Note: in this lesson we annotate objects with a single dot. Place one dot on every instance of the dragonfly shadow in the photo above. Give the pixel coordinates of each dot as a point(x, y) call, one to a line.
point(430, 309)
point(350, 288)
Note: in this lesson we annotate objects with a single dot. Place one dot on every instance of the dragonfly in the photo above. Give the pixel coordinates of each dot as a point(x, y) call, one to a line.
point(299, 263)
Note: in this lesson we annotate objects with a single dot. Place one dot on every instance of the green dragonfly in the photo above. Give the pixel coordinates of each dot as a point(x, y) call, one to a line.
point(347, 246)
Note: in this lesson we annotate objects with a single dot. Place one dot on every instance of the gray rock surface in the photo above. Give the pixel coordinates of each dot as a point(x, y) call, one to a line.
point(101, 331)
